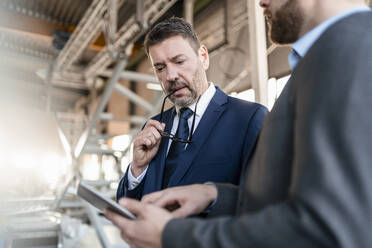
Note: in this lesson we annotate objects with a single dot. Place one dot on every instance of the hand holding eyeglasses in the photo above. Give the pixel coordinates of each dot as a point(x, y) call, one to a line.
point(146, 145)
point(147, 142)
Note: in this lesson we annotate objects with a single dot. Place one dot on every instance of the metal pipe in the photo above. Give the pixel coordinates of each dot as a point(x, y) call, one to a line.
point(94, 219)
point(105, 97)
point(133, 97)
point(133, 76)
point(65, 84)
point(113, 20)
point(140, 14)
point(132, 119)
point(59, 199)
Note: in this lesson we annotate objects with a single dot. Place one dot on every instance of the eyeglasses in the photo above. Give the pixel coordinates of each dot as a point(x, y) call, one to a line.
point(172, 136)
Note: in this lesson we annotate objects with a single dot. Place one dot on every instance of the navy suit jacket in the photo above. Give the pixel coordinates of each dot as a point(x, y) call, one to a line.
point(224, 137)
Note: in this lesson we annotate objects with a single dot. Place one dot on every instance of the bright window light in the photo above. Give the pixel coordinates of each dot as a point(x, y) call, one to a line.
point(91, 167)
point(275, 88)
point(121, 142)
point(52, 168)
point(247, 95)
point(109, 168)
point(124, 164)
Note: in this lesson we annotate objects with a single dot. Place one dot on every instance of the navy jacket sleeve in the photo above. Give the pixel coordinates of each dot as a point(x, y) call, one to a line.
point(123, 190)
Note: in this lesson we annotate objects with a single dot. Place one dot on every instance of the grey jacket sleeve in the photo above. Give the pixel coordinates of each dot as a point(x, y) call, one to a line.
point(329, 199)
point(276, 226)
point(226, 202)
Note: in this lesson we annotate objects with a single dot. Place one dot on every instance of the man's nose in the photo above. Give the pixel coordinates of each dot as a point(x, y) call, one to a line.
point(172, 73)
point(264, 3)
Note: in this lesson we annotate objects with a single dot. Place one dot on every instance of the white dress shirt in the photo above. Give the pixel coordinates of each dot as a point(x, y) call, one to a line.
point(203, 103)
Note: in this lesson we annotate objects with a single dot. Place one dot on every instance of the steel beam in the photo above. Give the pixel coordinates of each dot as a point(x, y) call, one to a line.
point(105, 97)
point(87, 29)
point(129, 33)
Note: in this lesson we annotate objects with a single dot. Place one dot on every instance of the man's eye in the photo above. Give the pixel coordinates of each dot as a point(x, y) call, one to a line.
point(159, 68)
point(180, 62)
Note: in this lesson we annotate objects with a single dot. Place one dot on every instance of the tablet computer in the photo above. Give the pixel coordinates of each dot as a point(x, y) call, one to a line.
point(101, 202)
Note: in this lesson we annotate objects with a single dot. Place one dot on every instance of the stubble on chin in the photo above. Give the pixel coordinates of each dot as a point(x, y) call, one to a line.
point(285, 24)
point(184, 101)
point(193, 93)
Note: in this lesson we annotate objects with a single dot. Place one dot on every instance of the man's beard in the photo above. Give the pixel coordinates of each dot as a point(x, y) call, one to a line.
point(189, 99)
point(185, 100)
point(286, 23)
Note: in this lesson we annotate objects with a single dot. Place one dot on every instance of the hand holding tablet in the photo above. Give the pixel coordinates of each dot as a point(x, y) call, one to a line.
point(101, 202)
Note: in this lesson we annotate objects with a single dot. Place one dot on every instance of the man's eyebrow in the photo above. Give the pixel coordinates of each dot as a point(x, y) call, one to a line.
point(158, 64)
point(178, 56)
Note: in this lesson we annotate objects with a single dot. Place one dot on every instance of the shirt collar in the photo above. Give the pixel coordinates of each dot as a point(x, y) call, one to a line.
point(205, 98)
point(302, 46)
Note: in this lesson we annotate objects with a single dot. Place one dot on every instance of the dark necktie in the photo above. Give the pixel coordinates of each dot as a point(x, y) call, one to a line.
point(177, 148)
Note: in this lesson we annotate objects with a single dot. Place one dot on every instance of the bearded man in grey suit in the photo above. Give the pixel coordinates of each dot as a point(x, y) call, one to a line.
point(309, 183)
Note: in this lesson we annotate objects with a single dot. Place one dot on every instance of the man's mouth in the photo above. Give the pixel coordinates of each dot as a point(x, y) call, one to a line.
point(177, 90)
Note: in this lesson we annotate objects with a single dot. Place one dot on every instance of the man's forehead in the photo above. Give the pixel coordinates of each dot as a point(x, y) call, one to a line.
point(174, 41)
point(170, 48)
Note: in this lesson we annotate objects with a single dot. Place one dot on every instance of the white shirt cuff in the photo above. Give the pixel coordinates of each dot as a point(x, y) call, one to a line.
point(133, 181)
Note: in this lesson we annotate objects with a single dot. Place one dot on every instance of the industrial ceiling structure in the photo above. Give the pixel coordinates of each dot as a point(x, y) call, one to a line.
point(81, 65)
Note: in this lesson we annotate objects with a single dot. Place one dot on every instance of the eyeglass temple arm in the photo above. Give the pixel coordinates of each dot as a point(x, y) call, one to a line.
point(162, 106)
point(193, 120)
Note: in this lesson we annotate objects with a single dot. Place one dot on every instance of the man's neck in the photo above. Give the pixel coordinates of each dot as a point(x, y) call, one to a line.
point(322, 10)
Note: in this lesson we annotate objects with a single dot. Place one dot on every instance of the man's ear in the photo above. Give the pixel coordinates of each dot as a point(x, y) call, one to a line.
point(203, 56)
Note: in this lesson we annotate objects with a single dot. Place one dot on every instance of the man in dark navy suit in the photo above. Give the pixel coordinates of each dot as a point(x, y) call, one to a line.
point(206, 135)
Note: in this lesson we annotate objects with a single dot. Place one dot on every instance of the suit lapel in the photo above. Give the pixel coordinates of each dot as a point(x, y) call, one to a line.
point(154, 177)
point(200, 136)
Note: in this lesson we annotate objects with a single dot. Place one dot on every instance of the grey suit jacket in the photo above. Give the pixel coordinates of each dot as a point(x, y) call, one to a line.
point(310, 181)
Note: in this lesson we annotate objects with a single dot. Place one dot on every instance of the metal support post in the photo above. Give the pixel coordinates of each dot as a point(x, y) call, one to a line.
point(258, 51)
point(188, 6)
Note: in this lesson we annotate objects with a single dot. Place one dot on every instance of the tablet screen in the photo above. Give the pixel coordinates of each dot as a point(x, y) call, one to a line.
point(101, 202)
